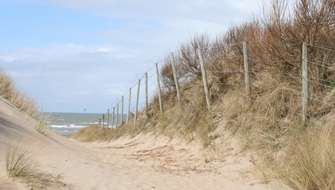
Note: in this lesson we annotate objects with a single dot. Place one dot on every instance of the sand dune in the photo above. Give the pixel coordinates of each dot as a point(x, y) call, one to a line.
point(141, 163)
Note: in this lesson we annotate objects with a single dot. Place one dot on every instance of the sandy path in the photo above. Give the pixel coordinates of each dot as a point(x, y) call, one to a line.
point(142, 163)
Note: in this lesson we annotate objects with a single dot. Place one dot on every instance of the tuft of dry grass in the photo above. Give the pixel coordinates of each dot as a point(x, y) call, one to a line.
point(309, 160)
point(18, 163)
point(20, 166)
point(41, 127)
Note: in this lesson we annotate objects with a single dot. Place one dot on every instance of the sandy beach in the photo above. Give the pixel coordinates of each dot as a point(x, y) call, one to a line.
point(145, 162)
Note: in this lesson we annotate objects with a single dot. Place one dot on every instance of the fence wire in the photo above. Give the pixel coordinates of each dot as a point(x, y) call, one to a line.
point(225, 65)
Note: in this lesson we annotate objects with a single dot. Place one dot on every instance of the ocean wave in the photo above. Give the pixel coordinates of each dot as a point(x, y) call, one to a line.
point(73, 126)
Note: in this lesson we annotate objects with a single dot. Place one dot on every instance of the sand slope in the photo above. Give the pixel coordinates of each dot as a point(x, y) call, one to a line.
point(142, 163)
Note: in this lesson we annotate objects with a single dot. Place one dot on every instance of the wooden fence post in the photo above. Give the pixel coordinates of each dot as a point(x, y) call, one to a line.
point(204, 78)
point(146, 92)
point(246, 69)
point(129, 106)
point(108, 117)
point(159, 89)
point(122, 104)
point(304, 74)
point(175, 78)
point(137, 101)
point(103, 120)
point(113, 117)
point(117, 115)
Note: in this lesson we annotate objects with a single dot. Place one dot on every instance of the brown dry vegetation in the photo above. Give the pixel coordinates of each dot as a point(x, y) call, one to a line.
point(270, 120)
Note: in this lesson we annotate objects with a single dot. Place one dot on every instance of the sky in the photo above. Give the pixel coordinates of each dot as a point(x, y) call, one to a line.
point(83, 55)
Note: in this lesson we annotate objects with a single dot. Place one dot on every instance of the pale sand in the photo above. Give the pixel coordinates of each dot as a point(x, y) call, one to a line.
point(142, 163)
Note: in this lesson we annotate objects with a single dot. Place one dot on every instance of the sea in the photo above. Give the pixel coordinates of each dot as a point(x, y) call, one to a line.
point(68, 123)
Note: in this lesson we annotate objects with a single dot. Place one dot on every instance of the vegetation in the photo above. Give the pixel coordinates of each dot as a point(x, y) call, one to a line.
point(41, 127)
point(309, 160)
point(18, 163)
point(20, 101)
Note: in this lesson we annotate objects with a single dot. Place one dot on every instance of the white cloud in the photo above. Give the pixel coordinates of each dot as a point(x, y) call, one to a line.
point(219, 11)
point(7, 58)
point(61, 51)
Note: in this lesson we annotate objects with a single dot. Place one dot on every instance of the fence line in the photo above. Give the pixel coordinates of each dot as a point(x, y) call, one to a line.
point(245, 68)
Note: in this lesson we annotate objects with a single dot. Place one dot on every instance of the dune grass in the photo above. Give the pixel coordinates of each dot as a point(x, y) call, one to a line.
point(20, 166)
point(189, 120)
point(21, 101)
point(18, 163)
point(41, 127)
point(308, 161)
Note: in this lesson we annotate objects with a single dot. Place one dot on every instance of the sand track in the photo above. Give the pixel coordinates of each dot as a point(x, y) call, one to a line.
point(141, 163)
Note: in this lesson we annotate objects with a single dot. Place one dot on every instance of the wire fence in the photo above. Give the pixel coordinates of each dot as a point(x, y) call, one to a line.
point(315, 76)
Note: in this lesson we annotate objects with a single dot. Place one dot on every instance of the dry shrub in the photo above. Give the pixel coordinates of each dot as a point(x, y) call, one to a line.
point(284, 31)
point(189, 59)
point(20, 166)
point(167, 77)
point(167, 73)
point(186, 61)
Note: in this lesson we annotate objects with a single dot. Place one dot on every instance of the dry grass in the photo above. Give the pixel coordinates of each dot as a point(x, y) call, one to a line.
point(21, 101)
point(189, 120)
point(97, 133)
point(93, 133)
point(18, 163)
point(308, 162)
point(41, 127)
point(20, 166)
